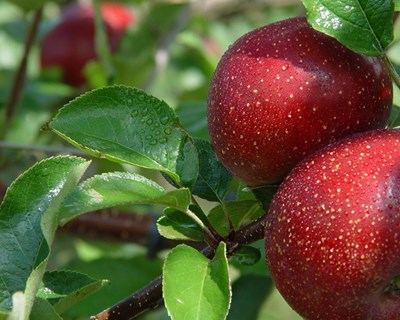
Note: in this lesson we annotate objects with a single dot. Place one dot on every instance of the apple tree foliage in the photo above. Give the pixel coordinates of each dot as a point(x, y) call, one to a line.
point(130, 127)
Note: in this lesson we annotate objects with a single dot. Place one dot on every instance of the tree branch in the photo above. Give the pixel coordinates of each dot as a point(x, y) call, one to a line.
point(150, 296)
point(19, 79)
point(111, 224)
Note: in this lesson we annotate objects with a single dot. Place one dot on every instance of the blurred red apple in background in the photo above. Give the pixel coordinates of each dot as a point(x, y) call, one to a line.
point(71, 45)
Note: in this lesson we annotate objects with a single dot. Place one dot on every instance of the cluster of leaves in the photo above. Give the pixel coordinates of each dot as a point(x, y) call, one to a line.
point(128, 126)
point(124, 125)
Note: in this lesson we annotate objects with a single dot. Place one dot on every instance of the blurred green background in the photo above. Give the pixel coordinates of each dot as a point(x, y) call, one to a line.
point(170, 52)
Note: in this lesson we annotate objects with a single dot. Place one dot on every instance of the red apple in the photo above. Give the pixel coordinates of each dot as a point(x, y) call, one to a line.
point(283, 91)
point(116, 15)
point(70, 45)
point(332, 235)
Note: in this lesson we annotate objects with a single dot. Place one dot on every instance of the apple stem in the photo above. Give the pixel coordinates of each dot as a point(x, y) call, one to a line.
point(392, 71)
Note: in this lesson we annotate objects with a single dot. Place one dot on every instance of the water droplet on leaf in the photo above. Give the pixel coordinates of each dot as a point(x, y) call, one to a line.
point(164, 120)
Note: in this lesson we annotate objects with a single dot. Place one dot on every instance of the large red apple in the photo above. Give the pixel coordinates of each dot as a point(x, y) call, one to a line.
point(71, 44)
point(332, 235)
point(282, 91)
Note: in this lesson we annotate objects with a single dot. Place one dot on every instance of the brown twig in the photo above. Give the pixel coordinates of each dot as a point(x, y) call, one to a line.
point(115, 225)
point(110, 224)
point(19, 79)
point(150, 296)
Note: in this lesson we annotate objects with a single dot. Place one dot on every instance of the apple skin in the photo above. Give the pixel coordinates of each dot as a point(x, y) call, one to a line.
point(332, 236)
point(283, 91)
point(70, 45)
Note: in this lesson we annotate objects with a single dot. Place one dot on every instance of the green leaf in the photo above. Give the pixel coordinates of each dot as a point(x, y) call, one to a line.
point(397, 5)
point(241, 213)
point(364, 26)
point(213, 180)
point(28, 220)
point(126, 275)
point(126, 125)
point(64, 288)
point(247, 255)
point(187, 166)
point(243, 192)
point(177, 225)
point(120, 188)
point(43, 309)
point(195, 287)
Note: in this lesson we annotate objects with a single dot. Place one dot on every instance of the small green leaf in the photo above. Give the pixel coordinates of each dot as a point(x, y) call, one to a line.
point(28, 220)
point(394, 120)
point(42, 309)
point(126, 275)
point(174, 224)
point(243, 192)
point(247, 255)
point(213, 179)
point(241, 213)
point(362, 25)
point(259, 268)
point(397, 5)
point(195, 287)
point(64, 288)
point(120, 188)
point(127, 125)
